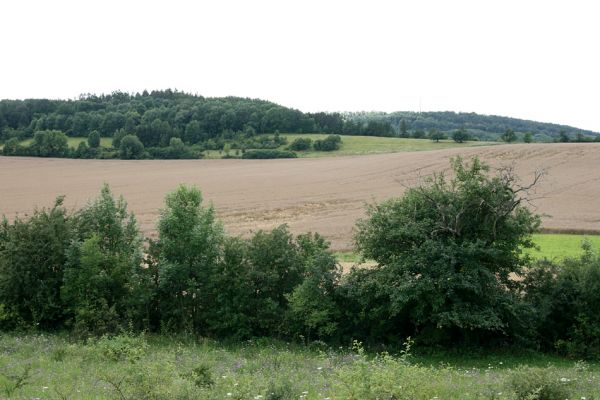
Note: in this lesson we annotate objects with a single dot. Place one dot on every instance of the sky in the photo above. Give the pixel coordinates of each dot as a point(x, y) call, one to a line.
point(528, 59)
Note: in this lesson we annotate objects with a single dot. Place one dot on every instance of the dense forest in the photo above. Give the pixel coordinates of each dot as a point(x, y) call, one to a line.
point(161, 124)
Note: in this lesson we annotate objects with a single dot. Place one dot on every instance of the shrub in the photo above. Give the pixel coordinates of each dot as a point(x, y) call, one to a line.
point(314, 311)
point(131, 148)
point(301, 144)
point(50, 144)
point(460, 136)
point(12, 147)
point(117, 137)
point(102, 266)
point(189, 245)
point(330, 143)
point(32, 258)
point(566, 297)
point(445, 252)
point(93, 139)
point(539, 384)
point(122, 347)
point(265, 154)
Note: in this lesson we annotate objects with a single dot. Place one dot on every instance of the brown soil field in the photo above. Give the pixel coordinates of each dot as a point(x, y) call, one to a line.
point(325, 195)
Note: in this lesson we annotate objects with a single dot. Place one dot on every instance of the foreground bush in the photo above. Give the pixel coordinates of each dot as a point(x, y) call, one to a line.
point(445, 254)
point(566, 297)
point(33, 254)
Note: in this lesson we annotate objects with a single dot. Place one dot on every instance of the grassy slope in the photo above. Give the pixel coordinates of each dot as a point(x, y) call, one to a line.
point(360, 145)
point(171, 368)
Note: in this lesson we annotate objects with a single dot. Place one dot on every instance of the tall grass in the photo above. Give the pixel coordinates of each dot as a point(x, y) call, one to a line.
point(128, 367)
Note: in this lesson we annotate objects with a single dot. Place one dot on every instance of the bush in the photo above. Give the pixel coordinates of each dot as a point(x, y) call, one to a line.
point(117, 137)
point(32, 258)
point(301, 144)
point(446, 251)
point(94, 139)
point(122, 347)
point(12, 147)
point(189, 245)
point(50, 144)
point(314, 311)
point(102, 266)
point(131, 148)
point(265, 154)
point(539, 384)
point(176, 150)
point(566, 297)
point(460, 136)
point(330, 143)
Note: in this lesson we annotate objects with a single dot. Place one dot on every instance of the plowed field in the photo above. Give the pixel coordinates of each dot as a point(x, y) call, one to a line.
point(319, 194)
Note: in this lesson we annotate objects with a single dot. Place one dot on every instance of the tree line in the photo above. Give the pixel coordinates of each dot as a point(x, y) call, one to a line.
point(450, 271)
point(158, 116)
point(478, 126)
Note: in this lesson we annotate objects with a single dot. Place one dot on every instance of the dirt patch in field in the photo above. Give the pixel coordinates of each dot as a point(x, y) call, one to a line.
point(326, 195)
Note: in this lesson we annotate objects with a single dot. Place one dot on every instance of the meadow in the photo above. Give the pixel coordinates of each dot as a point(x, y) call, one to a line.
point(159, 367)
point(363, 145)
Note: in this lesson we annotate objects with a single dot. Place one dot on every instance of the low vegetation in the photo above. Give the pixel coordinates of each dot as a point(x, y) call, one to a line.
point(182, 367)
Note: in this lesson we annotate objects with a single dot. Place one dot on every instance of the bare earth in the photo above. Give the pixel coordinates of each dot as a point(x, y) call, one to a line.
point(326, 195)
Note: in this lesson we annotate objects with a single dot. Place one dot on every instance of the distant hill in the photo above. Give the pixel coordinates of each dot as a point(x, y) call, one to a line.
point(157, 116)
point(484, 127)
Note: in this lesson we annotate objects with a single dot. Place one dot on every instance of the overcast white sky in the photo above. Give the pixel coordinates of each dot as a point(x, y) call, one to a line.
point(537, 60)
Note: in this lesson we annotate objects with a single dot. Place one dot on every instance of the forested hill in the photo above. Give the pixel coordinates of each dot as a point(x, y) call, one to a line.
point(158, 116)
point(484, 127)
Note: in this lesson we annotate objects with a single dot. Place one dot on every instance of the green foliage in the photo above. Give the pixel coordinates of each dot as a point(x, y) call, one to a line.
point(13, 381)
point(330, 143)
point(446, 252)
point(566, 297)
point(436, 135)
point(50, 144)
point(265, 154)
point(527, 137)
point(94, 139)
point(313, 305)
point(539, 384)
point(122, 347)
point(103, 265)
point(509, 136)
point(418, 134)
point(11, 147)
point(131, 148)
point(32, 258)
point(189, 246)
point(460, 136)
point(301, 144)
point(117, 137)
point(202, 376)
point(483, 127)
point(563, 137)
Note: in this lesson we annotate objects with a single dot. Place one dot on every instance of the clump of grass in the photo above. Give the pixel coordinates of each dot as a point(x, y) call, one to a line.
point(539, 384)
